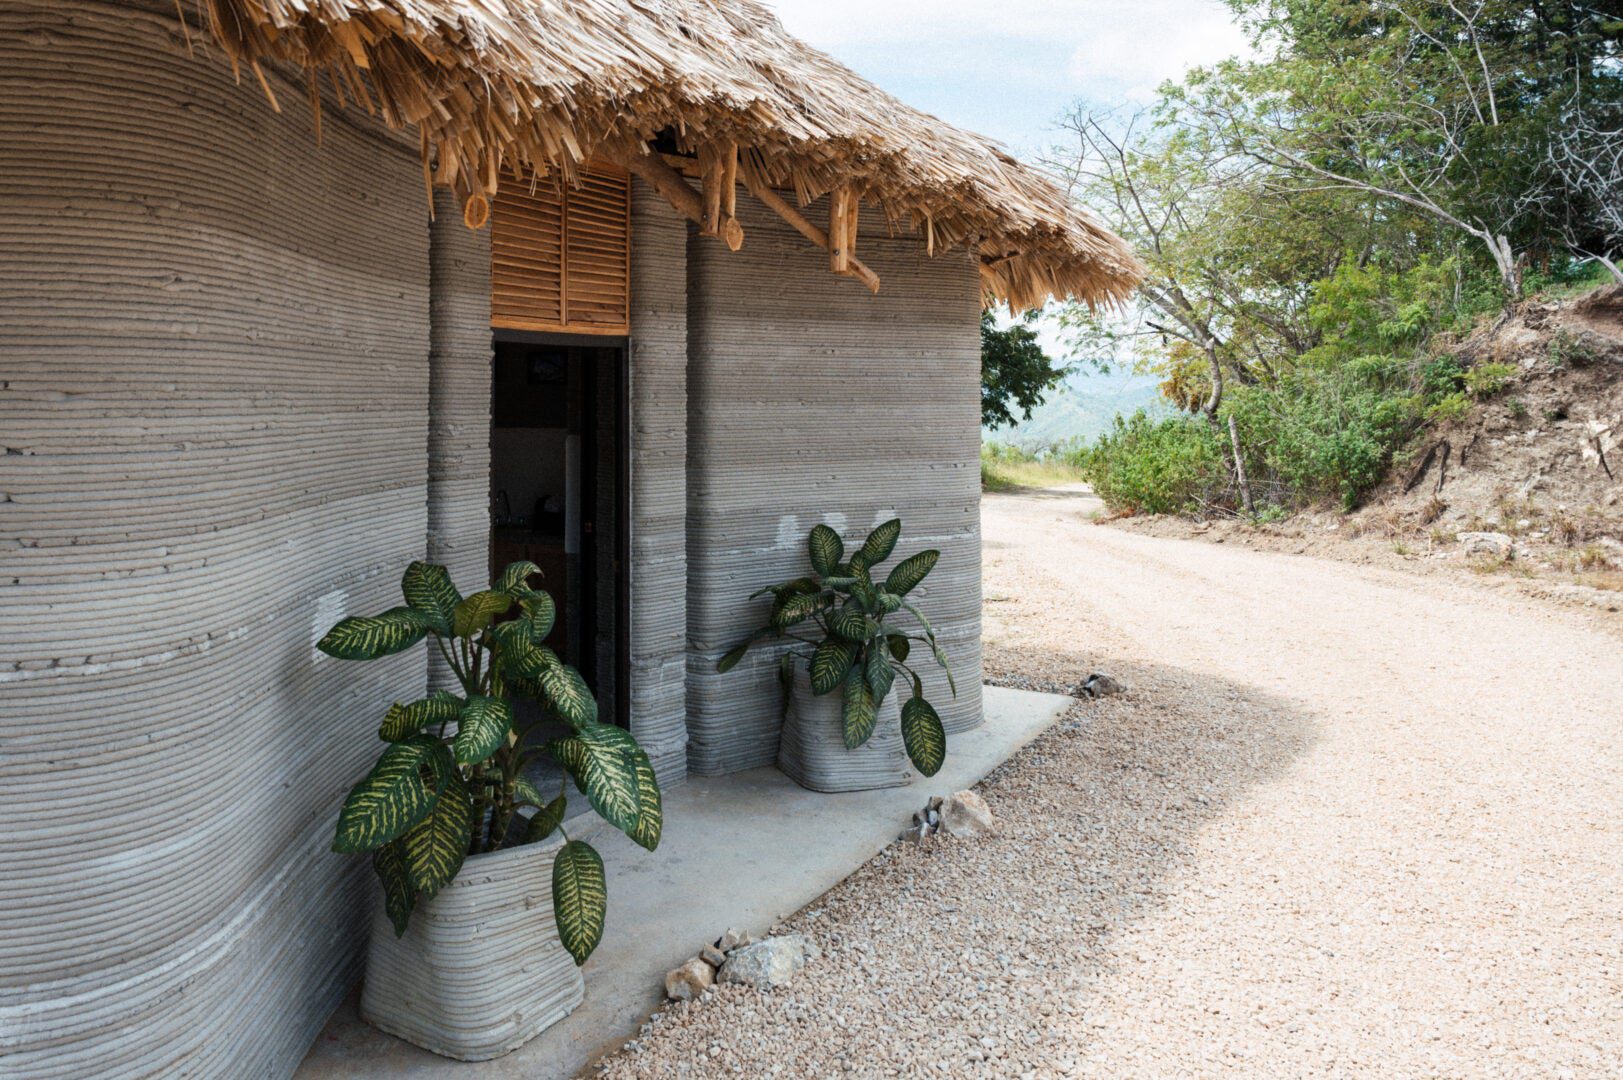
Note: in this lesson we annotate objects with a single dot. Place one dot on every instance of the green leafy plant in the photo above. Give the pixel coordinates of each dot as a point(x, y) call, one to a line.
point(840, 613)
point(450, 783)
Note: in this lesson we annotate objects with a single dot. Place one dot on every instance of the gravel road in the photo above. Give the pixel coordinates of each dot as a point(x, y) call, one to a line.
point(1346, 822)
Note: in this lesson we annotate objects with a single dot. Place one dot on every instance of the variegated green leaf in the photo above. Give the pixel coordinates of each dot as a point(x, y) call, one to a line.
point(841, 584)
point(602, 759)
point(482, 728)
point(545, 821)
point(397, 794)
point(650, 807)
point(905, 576)
point(923, 735)
point(850, 623)
point(568, 694)
point(935, 646)
point(541, 613)
point(367, 637)
point(398, 895)
point(580, 898)
point(404, 721)
point(435, 847)
point(525, 792)
point(795, 609)
point(858, 711)
point(730, 659)
point(878, 672)
point(889, 603)
point(428, 591)
point(474, 613)
point(881, 542)
point(830, 661)
point(825, 547)
point(899, 647)
point(514, 579)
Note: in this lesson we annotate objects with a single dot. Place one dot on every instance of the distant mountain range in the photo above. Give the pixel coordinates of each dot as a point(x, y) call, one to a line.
point(1084, 406)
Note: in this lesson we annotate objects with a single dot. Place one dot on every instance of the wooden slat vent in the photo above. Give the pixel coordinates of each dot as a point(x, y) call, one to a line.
point(561, 254)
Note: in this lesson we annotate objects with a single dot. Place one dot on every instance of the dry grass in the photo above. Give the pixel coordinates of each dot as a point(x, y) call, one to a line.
point(539, 88)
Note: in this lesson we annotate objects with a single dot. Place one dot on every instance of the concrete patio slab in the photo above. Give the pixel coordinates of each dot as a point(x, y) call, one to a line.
point(741, 850)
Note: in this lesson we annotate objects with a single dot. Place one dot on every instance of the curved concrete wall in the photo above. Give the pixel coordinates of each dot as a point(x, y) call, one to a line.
point(213, 403)
point(658, 389)
point(811, 400)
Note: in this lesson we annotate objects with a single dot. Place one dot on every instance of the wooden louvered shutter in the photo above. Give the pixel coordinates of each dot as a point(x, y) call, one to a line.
point(561, 254)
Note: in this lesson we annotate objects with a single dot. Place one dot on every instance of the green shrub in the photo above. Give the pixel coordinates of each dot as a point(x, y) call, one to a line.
point(1486, 380)
point(1154, 466)
point(1326, 430)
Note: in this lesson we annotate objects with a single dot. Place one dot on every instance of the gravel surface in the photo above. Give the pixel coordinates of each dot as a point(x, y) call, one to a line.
point(1345, 822)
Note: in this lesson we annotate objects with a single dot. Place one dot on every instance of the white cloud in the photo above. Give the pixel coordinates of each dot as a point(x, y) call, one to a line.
point(1138, 44)
point(1008, 68)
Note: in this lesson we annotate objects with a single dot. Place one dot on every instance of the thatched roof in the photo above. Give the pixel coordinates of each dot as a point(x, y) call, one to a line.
point(547, 84)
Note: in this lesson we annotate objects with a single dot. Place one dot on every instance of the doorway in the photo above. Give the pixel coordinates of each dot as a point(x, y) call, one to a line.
point(560, 496)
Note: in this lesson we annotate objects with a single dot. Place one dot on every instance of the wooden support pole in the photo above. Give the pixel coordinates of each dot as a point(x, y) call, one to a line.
point(729, 180)
point(804, 227)
point(839, 229)
point(711, 180)
point(670, 184)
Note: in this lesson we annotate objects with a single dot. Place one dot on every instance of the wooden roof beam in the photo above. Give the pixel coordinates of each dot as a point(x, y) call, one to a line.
point(670, 184)
point(805, 228)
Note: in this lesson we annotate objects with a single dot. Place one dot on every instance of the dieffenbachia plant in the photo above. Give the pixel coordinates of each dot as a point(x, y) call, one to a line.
point(840, 613)
point(450, 782)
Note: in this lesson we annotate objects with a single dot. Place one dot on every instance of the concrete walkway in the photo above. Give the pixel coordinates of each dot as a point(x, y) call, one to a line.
point(741, 850)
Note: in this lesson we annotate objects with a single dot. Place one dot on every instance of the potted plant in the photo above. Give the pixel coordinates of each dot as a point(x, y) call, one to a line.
point(479, 942)
point(837, 616)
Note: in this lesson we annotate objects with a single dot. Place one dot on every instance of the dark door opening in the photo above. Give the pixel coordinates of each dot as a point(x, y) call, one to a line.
point(559, 494)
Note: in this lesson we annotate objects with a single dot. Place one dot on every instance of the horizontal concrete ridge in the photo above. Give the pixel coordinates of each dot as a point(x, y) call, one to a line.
point(213, 339)
point(658, 389)
point(811, 400)
point(458, 404)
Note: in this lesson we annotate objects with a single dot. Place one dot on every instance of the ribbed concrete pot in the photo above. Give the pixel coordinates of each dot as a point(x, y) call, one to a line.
point(812, 751)
point(480, 970)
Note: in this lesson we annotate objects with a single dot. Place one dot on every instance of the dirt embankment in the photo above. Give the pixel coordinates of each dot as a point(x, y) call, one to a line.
point(1527, 488)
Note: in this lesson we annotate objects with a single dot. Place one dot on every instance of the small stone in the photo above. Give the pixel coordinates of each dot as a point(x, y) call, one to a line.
point(689, 981)
point(712, 956)
point(966, 814)
point(1100, 685)
point(730, 940)
point(769, 964)
point(1496, 544)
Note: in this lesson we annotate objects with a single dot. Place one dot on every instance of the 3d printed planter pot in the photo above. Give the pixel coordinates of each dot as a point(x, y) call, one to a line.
point(812, 750)
point(480, 970)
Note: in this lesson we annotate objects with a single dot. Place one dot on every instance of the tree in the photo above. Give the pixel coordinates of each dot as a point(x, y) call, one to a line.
point(1014, 371)
point(1440, 109)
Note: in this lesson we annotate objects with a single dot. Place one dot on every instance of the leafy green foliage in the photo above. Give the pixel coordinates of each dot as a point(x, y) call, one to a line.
point(579, 898)
point(435, 847)
point(546, 820)
point(840, 614)
point(429, 592)
point(481, 729)
point(433, 799)
point(858, 710)
point(404, 721)
point(923, 735)
point(1015, 372)
point(826, 549)
point(1154, 466)
point(362, 637)
point(398, 793)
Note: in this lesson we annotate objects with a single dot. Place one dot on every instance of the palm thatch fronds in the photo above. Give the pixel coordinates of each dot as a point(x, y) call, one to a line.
point(544, 85)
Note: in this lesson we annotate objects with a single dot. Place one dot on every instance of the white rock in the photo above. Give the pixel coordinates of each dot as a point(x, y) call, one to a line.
point(966, 814)
point(1496, 544)
point(689, 981)
point(769, 964)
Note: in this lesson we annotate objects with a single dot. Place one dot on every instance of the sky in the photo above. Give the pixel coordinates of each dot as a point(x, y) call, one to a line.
point(1008, 68)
